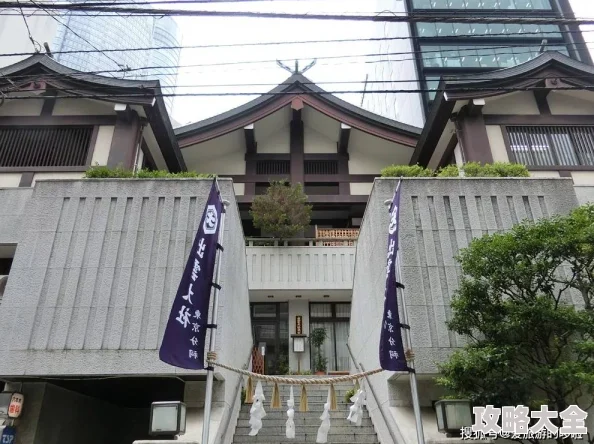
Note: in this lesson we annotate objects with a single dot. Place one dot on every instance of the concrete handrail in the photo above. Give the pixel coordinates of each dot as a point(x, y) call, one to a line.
point(360, 368)
point(237, 390)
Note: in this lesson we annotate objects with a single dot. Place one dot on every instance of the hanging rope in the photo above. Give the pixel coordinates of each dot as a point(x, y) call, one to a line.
point(212, 356)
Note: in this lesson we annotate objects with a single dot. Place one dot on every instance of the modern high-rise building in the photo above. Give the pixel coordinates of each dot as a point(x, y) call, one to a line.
point(76, 31)
point(79, 32)
point(416, 55)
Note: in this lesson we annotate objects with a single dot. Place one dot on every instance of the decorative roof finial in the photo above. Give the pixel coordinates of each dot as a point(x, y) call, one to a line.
point(296, 69)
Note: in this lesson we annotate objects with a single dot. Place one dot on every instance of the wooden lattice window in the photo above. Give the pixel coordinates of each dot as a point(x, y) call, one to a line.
point(30, 146)
point(321, 167)
point(273, 167)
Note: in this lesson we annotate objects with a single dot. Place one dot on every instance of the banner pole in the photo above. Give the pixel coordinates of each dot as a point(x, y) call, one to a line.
point(213, 331)
point(412, 374)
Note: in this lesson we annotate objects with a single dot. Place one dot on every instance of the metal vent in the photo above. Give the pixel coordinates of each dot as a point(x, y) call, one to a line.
point(44, 146)
point(321, 167)
point(552, 145)
point(273, 167)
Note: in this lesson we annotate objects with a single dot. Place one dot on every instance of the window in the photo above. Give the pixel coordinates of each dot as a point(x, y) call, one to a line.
point(551, 145)
point(335, 319)
point(483, 4)
point(30, 146)
point(321, 167)
point(273, 166)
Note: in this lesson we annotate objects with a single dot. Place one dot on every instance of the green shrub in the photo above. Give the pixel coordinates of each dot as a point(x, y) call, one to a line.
point(406, 171)
point(105, 172)
point(505, 169)
point(449, 171)
point(497, 169)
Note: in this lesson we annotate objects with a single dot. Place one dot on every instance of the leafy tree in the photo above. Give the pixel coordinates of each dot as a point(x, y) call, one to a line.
point(526, 303)
point(282, 211)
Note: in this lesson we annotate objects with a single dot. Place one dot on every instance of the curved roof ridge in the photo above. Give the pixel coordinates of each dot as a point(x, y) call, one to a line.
point(304, 84)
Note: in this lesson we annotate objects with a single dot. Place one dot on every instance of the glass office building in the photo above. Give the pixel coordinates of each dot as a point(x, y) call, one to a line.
point(93, 31)
point(438, 49)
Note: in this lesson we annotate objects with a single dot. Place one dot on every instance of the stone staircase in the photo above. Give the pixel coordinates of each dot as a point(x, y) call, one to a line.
point(306, 424)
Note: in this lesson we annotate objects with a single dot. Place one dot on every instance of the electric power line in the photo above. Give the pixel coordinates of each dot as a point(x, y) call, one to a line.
point(403, 18)
point(460, 89)
point(33, 41)
point(465, 38)
point(75, 33)
point(154, 69)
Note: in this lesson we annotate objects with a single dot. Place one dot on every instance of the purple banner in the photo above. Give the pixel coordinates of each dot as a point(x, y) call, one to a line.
point(391, 350)
point(185, 334)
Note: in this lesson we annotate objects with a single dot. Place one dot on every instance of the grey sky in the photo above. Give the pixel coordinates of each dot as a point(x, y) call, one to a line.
point(210, 30)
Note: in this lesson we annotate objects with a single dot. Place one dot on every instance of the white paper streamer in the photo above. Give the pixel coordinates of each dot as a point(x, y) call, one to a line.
point(257, 411)
point(290, 432)
point(325, 426)
point(356, 410)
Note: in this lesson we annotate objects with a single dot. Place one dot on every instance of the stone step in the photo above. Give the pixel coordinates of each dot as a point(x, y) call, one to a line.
point(310, 398)
point(307, 416)
point(299, 422)
point(344, 428)
point(301, 437)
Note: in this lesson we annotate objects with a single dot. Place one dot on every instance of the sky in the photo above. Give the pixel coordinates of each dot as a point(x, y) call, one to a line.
point(216, 31)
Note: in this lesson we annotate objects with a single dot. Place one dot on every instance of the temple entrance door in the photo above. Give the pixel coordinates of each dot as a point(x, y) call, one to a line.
point(270, 327)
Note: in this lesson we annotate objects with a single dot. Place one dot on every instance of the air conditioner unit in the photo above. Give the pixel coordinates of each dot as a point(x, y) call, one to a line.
point(3, 280)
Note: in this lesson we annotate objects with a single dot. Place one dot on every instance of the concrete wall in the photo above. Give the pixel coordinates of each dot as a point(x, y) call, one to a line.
point(13, 206)
point(95, 273)
point(300, 268)
point(438, 217)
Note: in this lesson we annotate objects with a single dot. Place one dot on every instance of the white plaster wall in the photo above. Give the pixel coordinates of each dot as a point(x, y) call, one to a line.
point(14, 37)
point(583, 177)
point(299, 308)
point(458, 155)
point(560, 103)
point(278, 142)
point(102, 145)
point(358, 189)
point(10, 180)
point(223, 155)
point(498, 150)
point(80, 107)
point(316, 142)
point(544, 174)
point(584, 193)
point(28, 107)
point(514, 103)
point(61, 175)
point(239, 189)
point(368, 155)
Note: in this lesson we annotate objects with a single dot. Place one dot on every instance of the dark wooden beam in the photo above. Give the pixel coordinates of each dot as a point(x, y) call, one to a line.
point(343, 139)
point(475, 141)
point(475, 107)
point(540, 96)
point(449, 151)
point(26, 179)
point(534, 119)
point(320, 199)
point(250, 139)
point(326, 178)
point(48, 106)
point(297, 147)
point(124, 140)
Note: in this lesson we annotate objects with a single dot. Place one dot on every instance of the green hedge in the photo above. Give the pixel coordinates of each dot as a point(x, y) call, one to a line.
point(470, 169)
point(104, 172)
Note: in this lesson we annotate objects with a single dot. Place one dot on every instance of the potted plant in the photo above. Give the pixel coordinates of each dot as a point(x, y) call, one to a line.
point(317, 338)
